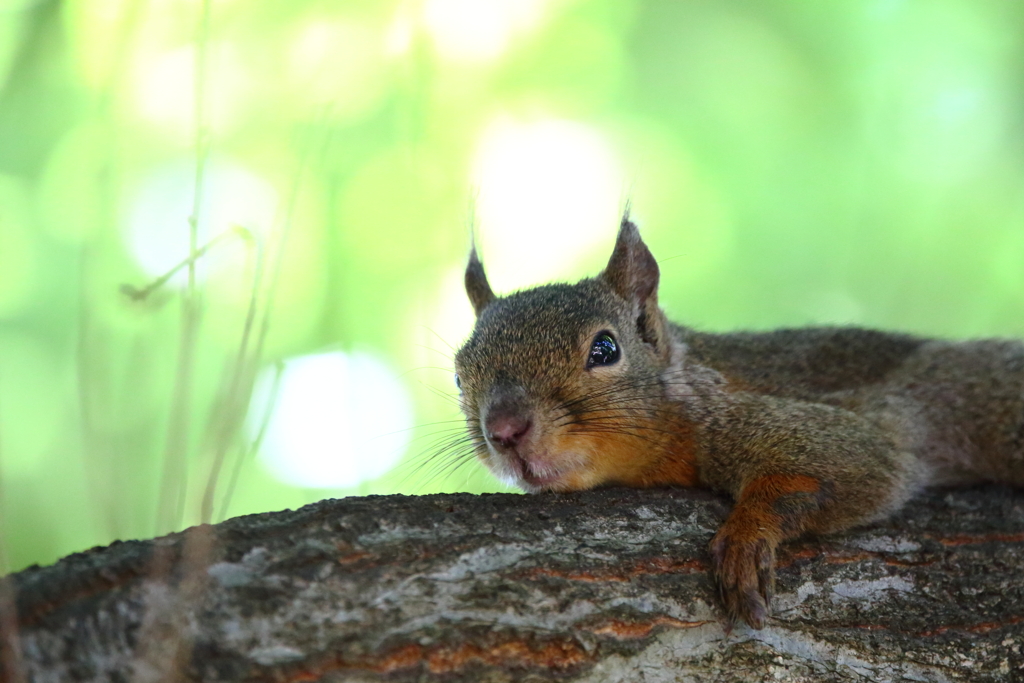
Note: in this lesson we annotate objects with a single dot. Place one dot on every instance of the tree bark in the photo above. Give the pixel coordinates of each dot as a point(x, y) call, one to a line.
point(608, 585)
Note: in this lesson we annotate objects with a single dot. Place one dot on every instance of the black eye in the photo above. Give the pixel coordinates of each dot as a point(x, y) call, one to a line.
point(604, 350)
point(458, 382)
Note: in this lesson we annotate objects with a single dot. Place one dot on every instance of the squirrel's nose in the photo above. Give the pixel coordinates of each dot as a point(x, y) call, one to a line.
point(507, 430)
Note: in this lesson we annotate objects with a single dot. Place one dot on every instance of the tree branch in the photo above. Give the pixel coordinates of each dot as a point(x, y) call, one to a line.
point(608, 585)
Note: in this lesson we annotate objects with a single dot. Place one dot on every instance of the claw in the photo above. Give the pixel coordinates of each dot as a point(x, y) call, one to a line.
point(754, 609)
point(745, 577)
point(765, 573)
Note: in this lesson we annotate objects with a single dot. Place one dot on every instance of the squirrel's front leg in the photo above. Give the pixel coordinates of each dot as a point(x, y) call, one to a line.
point(793, 467)
point(770, 509)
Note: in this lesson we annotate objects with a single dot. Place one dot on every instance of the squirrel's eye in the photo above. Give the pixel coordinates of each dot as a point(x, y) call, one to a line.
point(458, 382)
point(604, 350)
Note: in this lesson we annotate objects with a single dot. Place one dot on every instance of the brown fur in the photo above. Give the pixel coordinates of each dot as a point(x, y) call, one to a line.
point(809, 430)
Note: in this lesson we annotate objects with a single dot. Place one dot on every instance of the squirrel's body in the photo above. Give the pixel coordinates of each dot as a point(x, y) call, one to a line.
point(809, 430)
point(957, 406)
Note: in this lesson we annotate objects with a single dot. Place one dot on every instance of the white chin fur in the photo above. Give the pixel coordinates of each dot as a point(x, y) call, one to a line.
point(509, 474)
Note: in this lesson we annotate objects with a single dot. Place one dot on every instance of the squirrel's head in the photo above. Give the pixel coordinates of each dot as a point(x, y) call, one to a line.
point(562, 385)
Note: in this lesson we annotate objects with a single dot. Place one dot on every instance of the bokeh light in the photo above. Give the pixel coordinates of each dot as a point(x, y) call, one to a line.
point(159, 212)
point(338, 64)
point(465, 30)
point(165, 89)
point(549, 190)
point(328, 428)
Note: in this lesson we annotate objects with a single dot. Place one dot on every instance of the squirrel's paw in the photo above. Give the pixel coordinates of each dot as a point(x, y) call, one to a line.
point(744, 566)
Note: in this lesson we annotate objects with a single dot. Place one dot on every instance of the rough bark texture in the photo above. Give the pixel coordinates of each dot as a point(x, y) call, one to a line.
point(607, 585)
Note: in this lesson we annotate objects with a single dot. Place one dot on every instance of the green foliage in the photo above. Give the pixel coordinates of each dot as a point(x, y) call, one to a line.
point(790, 164)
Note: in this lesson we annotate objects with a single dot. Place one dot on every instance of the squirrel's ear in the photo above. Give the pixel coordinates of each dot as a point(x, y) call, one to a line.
point(632, 271)
point(477, 288)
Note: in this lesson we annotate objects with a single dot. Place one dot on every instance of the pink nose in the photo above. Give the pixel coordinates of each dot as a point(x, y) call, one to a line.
point(507, 430)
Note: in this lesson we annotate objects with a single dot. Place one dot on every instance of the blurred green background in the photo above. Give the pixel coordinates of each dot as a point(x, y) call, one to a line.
point(790, 163)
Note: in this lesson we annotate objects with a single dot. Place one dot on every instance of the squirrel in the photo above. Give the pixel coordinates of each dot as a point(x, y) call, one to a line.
point(810, 430)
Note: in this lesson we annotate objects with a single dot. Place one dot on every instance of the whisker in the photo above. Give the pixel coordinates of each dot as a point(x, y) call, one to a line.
point(615, 426)
point(639, 403)
point(454, 464)
point(450, 398)
point(634, 402)
point(444, 442)
point(451, 446)
point(427, 367)
point(617, 389)
point(613, 391)
point(624, 432)
point(446, 468)
point(440, 338)
point(458, 428)
point(636, 409)
point(431, 468)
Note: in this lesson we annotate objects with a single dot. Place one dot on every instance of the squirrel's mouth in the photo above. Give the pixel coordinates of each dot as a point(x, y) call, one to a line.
point(540, 481)
point(533, 476)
